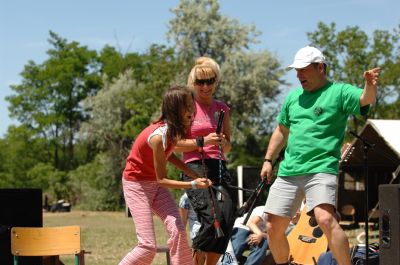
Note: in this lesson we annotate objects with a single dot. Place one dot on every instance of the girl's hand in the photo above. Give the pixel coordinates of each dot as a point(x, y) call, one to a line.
point(203, 183)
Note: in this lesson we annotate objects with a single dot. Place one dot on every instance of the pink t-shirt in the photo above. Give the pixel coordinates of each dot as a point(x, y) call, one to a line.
point(204, 123)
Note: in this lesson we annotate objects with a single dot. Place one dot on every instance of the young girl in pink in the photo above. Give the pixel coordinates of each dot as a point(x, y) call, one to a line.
point(145, 180)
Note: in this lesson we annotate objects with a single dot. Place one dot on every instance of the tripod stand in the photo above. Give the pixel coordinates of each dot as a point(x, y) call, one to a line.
point(253, 198)
point(366, 146)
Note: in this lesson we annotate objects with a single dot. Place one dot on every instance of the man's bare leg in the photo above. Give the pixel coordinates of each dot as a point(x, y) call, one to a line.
point(337, 239)
point(277, 240)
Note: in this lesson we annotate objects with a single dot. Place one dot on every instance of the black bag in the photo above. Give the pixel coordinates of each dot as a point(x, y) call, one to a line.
point(357, 254)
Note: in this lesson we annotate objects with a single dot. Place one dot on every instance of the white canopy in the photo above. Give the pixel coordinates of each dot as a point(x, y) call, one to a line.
point(390, 132)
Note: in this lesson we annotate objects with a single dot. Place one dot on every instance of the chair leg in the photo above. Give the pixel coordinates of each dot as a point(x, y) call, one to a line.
point(15, 260)
point(168, 258)
point(161, 249)
point(82, 257)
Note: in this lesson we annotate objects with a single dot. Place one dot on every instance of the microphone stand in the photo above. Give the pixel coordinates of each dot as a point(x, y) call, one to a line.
point(366, 146)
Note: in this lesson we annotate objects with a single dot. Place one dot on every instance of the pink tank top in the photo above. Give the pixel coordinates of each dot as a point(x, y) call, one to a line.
point(205, 122)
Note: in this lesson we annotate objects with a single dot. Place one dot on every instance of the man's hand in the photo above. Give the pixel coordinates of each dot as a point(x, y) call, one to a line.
point(266, 171)
point(372, 76)
point(371, 83)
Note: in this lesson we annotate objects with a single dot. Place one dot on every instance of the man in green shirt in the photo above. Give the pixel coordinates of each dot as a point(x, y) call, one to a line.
point(312, 125)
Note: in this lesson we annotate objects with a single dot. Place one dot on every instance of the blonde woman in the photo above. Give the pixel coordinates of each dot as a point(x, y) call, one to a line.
point(204, 151)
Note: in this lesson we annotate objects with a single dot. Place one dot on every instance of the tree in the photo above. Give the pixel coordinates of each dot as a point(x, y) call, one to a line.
point(250, 80)
point(48, 100)
point(351, 51)
point(130, 100)
point(20, 152)
point(199, 29)
point(118, 113)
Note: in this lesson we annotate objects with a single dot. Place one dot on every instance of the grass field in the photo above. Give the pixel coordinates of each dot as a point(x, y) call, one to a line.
point(110, 235)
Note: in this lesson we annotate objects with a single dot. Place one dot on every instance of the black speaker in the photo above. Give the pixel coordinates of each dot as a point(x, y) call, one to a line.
point(389, 224)
point(18, 207)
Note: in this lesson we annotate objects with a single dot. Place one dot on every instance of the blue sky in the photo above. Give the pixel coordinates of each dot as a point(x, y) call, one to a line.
point(133, 25)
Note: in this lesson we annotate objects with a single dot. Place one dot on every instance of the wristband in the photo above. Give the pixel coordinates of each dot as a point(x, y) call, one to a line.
point(194, 184)
point(200, 141)
point(268, 160)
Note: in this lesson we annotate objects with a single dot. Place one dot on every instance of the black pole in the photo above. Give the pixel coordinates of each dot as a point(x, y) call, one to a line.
point(257, 192)
point(366, 203)
point(365, 147)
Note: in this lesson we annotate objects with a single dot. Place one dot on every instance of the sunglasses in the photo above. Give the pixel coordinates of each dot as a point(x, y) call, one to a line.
point(201, 82)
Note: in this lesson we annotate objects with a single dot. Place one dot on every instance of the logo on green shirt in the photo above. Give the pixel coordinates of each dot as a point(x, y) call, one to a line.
point(318, 111)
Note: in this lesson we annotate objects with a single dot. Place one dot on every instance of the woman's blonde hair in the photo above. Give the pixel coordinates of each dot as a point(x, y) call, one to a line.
point(204, 68)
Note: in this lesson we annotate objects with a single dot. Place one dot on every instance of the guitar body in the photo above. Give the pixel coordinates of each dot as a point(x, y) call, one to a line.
point(306, 241)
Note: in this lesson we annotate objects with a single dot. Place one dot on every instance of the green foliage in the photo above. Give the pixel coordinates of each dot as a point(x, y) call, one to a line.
point(250, 80)
point(48, 100)
point(108, 112)
point(113, 63)
point(96, 185)
point(351, 51)
point(42, 176)
point(250, 85)
point(21, 151)
point(199, 29)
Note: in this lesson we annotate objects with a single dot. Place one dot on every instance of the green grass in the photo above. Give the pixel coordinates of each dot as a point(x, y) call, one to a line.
point(110, 235)
point(107, 235)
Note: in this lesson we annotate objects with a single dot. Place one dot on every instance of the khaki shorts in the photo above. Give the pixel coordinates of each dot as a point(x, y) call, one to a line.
point(287, 193)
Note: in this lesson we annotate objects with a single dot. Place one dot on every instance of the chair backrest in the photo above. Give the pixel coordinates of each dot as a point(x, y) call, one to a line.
point(45, 241)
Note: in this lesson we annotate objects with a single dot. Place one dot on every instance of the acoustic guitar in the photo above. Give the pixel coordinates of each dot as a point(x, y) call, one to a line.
point(306, 241)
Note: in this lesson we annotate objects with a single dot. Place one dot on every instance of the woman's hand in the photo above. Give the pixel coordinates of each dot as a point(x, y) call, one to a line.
point(213, 139)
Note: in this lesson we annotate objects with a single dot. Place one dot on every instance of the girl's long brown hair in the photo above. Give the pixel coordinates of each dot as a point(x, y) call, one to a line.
point(173, 106)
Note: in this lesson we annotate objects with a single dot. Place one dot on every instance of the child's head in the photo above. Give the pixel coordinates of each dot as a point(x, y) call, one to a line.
point(177, 111)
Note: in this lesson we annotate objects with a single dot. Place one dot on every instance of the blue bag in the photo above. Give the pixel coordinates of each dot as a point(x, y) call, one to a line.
point(326, 259)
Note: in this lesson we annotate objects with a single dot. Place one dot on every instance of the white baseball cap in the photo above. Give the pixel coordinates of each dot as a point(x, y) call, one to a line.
point(306, 56)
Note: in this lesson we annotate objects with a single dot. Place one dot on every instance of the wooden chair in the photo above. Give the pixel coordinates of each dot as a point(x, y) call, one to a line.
point(47, 241)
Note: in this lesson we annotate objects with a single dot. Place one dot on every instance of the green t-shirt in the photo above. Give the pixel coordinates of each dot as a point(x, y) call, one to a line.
point(317, 122)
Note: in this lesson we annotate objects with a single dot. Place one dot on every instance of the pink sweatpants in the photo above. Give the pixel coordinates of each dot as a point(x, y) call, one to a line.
point(145, 198)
